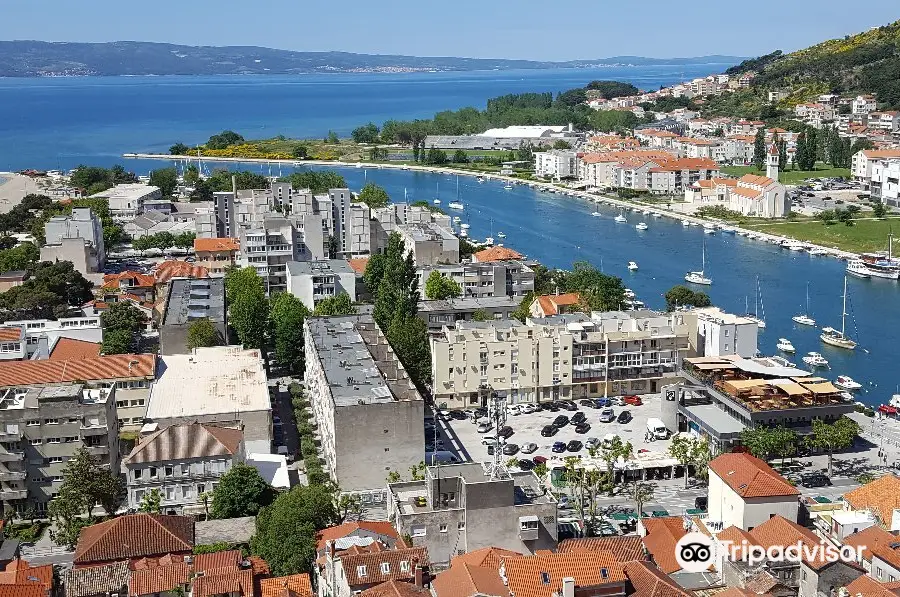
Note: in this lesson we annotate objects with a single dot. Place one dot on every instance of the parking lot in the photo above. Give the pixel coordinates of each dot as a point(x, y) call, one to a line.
point(461, 437)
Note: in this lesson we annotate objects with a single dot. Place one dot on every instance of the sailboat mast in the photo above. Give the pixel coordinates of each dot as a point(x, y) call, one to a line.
point(844, 309)
point(704, 257)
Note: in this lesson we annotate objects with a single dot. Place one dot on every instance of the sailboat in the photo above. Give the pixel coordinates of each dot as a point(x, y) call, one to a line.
point(621, 219)
point(490, 240)
point(805, 319)
point(456, 204)
point(755, 316)
point(699, 277)
point(839, 338)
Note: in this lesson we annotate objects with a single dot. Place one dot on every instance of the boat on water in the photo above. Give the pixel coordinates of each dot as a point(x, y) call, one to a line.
point(479, 179)
point(818, 251)
point(489, 240)
point(793, 246)
point(699, 277)
point(596, 214)
point(895, 401)
point(784, 345)
point(456, 205)
point(709, 230)
point(694, 223)
point(405, 167)
point(837, 338)
point(437, 201)
point(507, 186)
point(646, 212)
point(685, 223)
point(620, 219)
point(629, 294)
point(858, 269)
point(815, 359)
point(759, 311)
point(804, 318)
point(465, 226)
point(501, 235)
point(463, 233)
point(642, 226)
point(359, 165)
point(656, 215)
point(845, 382)
point(632, 266)
point(881, 264)
point(728, 230)
point(635, 210)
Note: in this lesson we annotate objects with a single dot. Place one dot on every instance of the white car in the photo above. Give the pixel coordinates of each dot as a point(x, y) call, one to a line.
point(617, 401)
point(488, 440)
point(484, 427)
point(527, 409)
point(514, 409)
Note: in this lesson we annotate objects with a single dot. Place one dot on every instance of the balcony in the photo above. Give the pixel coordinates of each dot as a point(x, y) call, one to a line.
point(89, 430)
point(11, 435)
point(11, 455)
point(13, 494)
point(97, 450)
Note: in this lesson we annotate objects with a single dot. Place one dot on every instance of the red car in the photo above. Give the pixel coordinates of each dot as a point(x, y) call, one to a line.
point(632, 400)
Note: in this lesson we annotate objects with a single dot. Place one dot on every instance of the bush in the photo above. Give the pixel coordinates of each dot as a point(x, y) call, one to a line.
point(213, 547)
point(26, 533)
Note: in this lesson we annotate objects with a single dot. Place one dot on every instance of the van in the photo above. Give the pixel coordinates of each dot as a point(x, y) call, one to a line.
point(656, 429)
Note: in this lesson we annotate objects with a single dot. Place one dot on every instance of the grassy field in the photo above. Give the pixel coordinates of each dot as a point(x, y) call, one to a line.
point(790, 176)
point(863, 236)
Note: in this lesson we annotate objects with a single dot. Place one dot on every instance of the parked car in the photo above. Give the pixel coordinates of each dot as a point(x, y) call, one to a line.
point(564, 502)
point(526, 465)
point(484, 427)
point(574, 446)
point(529, 448)
point(617, 401)
point(487, 440)
point(701, 502)
point(602, 402)
point(624, 417)
point(592, 443)
point(607, 415)
point(514, 409)
point(527, 409)
point(539, 460)
point(632, 400)
point(457, 415)
point(814, 480)
point(578, 418)
point(569, 405)
point(505, 432)
point(588, 403)
point(550, 406)
point(510, 449)
point(558, 447)
point(560, 421)
point(549, 431)
point(582, 428)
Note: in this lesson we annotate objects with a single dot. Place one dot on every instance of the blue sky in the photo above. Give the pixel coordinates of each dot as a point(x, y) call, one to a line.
point(533, 29)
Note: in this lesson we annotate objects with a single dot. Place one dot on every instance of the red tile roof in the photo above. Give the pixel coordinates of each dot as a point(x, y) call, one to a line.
point(525, 575)
point(20, 572)
point(159, 579)
point(174, 268)
point(385, 529)
point(465, 580)
point(750, 477)
point(781, 531)
point(649, 581)
point(396, 588)
point(118, 366)
point(219, 559)
point(871, 539)
point(17, 590)
point(496, 254)
point(625, 548)
point(295, 585)
point(550, 303)
point(662, 535)
point(486, 557)
point(70, 349)
point(762, 181)
point(359, 264)
point(134, 536)
point(866, 586)
point(372, 563)
point(881, 496)
point(13, 333)
point(216, 244)
point(222, 581)
point(135, 279)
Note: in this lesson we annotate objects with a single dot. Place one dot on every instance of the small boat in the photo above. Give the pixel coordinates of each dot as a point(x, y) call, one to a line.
point(699, 277)
point(646, 212)
point(463, 233)
point(784, 345)
point(837, 338)
point(437, 201)
point(709, 230)
point(895, 401)
point(465, 226)
point(632, 266)
point(728, 230)
point(405, 167)
point(629, 294)
point(489, 240)
point(845, 382)
point(694, 223)
point(818, 251)
point(858, 268)
point(456, 219)
point(501, 235)
point(656, 215)
point(596, 214)
point(804, 318)
point(480, 179)
point(642, 226)
point(455, 205)
point(685, 223)
point(755, 316)
point(814, 359)
point(795, 247)
point(621, 219)
point(635, 210)
point(359, 165)
point(507, 186)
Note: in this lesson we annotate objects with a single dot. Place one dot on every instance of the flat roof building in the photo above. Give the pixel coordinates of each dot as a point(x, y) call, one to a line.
point(313, 281)
point(429, 243)
point(440, 313)
point(189, 301)
point(127, 200)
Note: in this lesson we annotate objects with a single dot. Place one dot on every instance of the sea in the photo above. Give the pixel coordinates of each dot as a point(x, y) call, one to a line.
point(60, 123)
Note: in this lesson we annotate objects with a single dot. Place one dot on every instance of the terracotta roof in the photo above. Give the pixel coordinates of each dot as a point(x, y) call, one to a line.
point(117, 366)
point(174, 268)
point(871, 538)
point(662, 535)
point(525, 575)
point(216, 244)
point(359, 264)
point(385, 529)
point(259, 565)
point(396, 588)
point(134, 536)
point(465, 580)
point(550, 303)
point(71, 349)
point(139, 280)
point(295, 585)
point(11, 333)
point(739, 592)
point(750, 477)
point(159, 579)
point(882, 153)
point(655, 133)
point(762, 181)
point(222, 581)
point(220, 559)
point(23, 590)
point(881, 496)
point(736, 536)
point(486, 557)
point(192, 440)
point(745, 192)
point(372, 563)
point(761, 583)
point(97, 580)
point(781, 531)
point(866, 586)
point(20, 572)
point(625, 548)
point(648, 581)
point(496, 254)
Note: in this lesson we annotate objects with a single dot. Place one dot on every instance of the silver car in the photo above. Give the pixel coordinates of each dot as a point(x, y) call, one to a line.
point(529, 448)
point(607, 415)
point(592, 443)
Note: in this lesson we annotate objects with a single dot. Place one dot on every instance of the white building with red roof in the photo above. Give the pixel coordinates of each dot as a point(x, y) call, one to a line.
point(745, 492)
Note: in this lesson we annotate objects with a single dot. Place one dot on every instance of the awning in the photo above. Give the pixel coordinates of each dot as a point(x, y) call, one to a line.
point(744, 384)
point(888, 410)
point(714, 366)
point(791, 388)
point(821, 388)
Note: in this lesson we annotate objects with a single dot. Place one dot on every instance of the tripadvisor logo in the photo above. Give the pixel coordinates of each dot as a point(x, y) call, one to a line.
point(695, 552)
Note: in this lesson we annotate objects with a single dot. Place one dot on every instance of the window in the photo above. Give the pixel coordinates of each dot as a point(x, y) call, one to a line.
point(418, 531)
point(73, 420)
point(33, 422)
point(185, 470)
point(361, 571)
point(404, 565)
point(545, 578)
point(137, 473)
point(169, 471)
point(152, 472)
point(443, 528)
point(36, 442)
point(385, 567)
point(55, 459)
point(53, 440)
point(201, 488)
point(71, 439)
point(604, 573)
point(51, 421)
point(461, 525)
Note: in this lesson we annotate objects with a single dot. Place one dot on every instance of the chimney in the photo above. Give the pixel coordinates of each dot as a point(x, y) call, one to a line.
point(418, 573)
point(568, 587)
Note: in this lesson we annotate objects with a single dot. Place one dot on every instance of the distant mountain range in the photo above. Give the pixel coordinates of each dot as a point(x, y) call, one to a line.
point(48, 59)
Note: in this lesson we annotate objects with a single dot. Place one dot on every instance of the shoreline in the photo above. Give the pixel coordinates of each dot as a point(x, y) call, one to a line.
point(13, 188)
point(546, 186)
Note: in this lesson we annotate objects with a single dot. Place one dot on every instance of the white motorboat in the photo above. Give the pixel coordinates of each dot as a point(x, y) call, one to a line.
point(620, 219)
point(695, 223)
point(463, 233)
point(845, 382)
point(728, 230)
point(818, 251)
point(359, 165)
point(642, 226)
point(480, 179)
point(804, 318)
point(784, 345)
point(656, 215)
point(465, 226)
point(792, 246)
point(632, 266)
point(858, 268)
point(646, 212)
point(456, 219)
point(881, 265)
point(456, 205)
point(629, 294)
point(508, 186)
point(501, 235)
point(895, 401)
point(634, 209)
point(489, 240)
point(699, 277)
point(685, 223)
point(837, 338)
point(709, 230)
point(596, 214)
point(437, 201)
point(815, 359)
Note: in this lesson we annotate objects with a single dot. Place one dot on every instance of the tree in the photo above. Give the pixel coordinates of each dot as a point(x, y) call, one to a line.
point(179, 149)
point(374, 196)
point(680, 296)
point(784, 442)
point(223, 140)
point(317, 181)
point(641, 493)
point(348, 506)
point(610, 453)
point(202, 333)
point(118, 342)
point(839, 435)
point(21, 257)
point(248, 308)
point(368, 133)
point(166, 179)
point(759, 149)
point(51, 292)
point(435, 157)
point(561, 144)
point(879, 210)
point(240, 492)
point(123, 316)
point(460, 157)
point(305, 510)
point(393, 477)
point(481, 315)
point(688, 450)
point(572, 97)
point(225, 180)
point(759, 440)
point(782, 155)
point(439, 287)
point(286, 316)
point(151, 503)
point(340, 304)
point(612, 89)
point(202, 191)
point(597, 291)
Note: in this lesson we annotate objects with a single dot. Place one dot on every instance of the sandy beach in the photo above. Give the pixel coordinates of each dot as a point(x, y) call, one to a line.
point(13, 187)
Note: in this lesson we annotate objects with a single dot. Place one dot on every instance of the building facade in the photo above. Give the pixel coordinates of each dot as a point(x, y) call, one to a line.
point(77, 238)
point(485, 280)
point(313, 281)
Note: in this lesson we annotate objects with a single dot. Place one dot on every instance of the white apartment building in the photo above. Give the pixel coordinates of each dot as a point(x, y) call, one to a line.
point(41, 335)
point(429, 244)
point(485, 280)
point(352, 231)
point(77, 238)
point(863, 104)
point(563, 357)
point(126, 201)
point(268, 249)
point(368, 410)
point(312, 281)
point(885, 182)
point(884, 121)
point(721, 334)
point(745, 492)
point(863, 162)
point(558, 163)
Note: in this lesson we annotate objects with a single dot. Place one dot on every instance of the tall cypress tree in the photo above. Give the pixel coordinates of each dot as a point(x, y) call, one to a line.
point(759, 149)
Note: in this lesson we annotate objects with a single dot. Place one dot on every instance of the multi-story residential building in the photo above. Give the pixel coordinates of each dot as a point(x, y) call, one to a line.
point(312, 281)
point(268, 248)
point(696, 147)
point(351, 569)
point(352, 230)
point(181, 462)
point(814, 114)
point(745, 492)
point(863, 104)
point(557, 163)
point(42, 429)
point(77, 238)
point(440, 313)
point(429, 244)
point(674, 176)
point(216, 254)
point(863, 162)
point(227, 386)
point(716, 333)
point(567, 356)
point(885, 182)
point(884, 121)
point(186, 302)
point(130, 538)
point(42, 335)
point(485, 279)
point(368, 410)
point(464, 507)
point(126, 201)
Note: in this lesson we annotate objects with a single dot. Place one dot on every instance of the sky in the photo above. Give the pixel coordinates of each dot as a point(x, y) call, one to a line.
point(528, 29)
